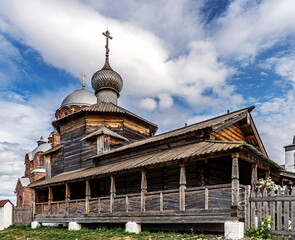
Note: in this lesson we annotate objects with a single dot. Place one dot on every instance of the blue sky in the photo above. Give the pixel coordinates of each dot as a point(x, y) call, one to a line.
point(181, 62)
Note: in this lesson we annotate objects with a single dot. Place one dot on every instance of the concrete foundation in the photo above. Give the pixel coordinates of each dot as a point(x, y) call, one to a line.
point(233, 230)
point(133, 227)
point(35, 225)
point(74, 226)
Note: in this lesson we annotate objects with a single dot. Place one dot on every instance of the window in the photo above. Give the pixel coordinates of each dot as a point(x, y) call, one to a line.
point(41, 161)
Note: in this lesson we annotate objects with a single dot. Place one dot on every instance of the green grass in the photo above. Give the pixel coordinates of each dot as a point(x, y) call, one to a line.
point(54, 233)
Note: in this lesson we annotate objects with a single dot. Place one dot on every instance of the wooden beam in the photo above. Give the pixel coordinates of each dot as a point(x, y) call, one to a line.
point(67, 197)
point(235, 179)
point(113, 193)
point(50, 198)
point(182, 187)
point(87, 195)
point(143, 190)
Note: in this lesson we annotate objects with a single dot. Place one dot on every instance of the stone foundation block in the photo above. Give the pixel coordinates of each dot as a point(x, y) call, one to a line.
point(74, 226)
point(35, 224)
point(133, 227)
point(234, 230)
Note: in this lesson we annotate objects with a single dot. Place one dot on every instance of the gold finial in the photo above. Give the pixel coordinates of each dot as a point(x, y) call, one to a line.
point(73, 109)
point(83, 79)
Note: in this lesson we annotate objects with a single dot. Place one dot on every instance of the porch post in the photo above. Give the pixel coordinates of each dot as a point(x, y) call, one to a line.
point(143, 190)
point(50, 198)
point(113, 193)
point(67, 197)
point(87, 195)
point(182, 187)
point(235, 184)
point(267, 173)
point(254, 174)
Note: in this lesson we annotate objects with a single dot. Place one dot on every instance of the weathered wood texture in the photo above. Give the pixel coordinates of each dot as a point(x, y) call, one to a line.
point(22, 216)
point(278, 207)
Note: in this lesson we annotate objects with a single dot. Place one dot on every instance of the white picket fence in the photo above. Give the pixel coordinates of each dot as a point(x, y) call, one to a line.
point(278, 206)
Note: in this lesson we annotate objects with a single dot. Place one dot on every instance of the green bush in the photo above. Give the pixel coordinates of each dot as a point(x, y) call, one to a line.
point(263, 231)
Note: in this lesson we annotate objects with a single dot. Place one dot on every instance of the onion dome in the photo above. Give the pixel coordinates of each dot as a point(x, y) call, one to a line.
point(80, 97)
point(107, 83)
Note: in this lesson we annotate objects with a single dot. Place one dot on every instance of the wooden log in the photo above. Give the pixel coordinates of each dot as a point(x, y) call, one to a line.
point(112, 194)
point(143, 190)
point(206, 198)
point(235, 179)
point(87, 196)
point(286, 211)
point(293, 211)
point(182, 187)
point(279, 211)
point(273, 210)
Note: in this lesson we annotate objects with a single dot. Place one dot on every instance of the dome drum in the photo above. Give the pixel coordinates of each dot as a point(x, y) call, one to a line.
point(107, 95)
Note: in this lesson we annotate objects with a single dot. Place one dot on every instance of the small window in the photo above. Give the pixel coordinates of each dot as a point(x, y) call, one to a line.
point(41, 161)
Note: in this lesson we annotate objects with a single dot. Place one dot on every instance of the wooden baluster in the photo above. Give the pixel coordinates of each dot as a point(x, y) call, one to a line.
point(235, 179)
point(247, 207)
point(265, 205)
point(182, 187)
point(113, 193)
point(273, 210)
point(87, 196)
point(206, 198)
point(286, 211)
point(259, 209)
point(67, 198)
point(279, 211)
point(98, 205)
point(127, 203)
point(161, 202)
point(143, 190)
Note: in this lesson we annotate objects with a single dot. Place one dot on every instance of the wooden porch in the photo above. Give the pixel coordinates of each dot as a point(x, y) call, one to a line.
point(199, 206)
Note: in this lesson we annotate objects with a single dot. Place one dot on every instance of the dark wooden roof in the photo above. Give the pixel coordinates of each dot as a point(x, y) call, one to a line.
point(193, 150)
point(104, 107)
point(214, 124)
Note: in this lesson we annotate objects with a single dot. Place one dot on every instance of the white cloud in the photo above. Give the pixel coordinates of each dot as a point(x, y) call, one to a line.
point(148, 104)
point(249, 27)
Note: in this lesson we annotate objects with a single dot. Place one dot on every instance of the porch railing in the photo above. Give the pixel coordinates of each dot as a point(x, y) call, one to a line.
point(197, 198)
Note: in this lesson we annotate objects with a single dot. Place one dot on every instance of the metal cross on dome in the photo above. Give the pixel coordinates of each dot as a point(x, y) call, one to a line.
point(108, 36)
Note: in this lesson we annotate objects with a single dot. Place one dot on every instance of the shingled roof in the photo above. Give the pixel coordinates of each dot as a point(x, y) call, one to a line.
point(194, 150)
point(214, 124)
point(3, 202)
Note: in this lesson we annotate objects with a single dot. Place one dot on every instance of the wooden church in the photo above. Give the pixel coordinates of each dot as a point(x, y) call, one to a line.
point(110, 167)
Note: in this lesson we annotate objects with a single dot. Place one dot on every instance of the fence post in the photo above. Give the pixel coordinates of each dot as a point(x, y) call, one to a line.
point(293, 211)
point(279, 211)
point(286, 211)
point(253, 209)
point(273, 210)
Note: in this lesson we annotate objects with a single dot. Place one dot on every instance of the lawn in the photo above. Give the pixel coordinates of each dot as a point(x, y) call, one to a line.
point(54, 233)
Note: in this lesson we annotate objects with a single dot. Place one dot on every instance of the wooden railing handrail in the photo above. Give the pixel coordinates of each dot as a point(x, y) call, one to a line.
point(227, 185)
point(163, 191)
point(61, 201)
point(77, 200)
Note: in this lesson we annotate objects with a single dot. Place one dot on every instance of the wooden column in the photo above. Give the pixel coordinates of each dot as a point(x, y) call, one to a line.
point(113, 194)
point(67, 197)
point(254, 174)
point(267, 173)
point(143, 190)
point(34, 202)
point(182, 187)
point(87, 195)
point(235, 184)
point(50, 198)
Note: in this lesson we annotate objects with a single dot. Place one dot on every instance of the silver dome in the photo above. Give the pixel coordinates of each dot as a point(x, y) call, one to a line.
point(107, 78)
point(80, 97)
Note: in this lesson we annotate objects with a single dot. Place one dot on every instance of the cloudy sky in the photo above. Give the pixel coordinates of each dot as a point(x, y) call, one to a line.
point(181, 62)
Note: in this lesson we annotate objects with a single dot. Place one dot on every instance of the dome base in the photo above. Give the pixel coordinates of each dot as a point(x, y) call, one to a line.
point(107, 95)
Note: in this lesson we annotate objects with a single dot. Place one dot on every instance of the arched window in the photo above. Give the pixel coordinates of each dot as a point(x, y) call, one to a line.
point(19, 201)
point(41, 161)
